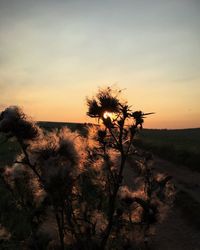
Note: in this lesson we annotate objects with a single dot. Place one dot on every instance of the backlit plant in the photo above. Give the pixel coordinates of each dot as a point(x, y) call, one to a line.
point(74, 186)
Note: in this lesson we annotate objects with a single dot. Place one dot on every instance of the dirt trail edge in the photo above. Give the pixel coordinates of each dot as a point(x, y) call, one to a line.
point(180, 230)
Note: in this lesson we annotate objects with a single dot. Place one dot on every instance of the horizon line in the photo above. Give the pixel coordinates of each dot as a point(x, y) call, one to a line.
point(62, 122)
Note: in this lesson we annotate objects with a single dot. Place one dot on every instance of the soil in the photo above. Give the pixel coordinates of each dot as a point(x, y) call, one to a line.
point(180, 230)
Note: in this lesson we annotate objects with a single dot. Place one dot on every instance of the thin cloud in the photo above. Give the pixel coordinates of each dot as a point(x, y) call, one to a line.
point(187, 78)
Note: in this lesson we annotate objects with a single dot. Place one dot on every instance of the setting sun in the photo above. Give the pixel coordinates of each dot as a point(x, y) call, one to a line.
point(99, 124)
point(111, 115)
point(149, 48)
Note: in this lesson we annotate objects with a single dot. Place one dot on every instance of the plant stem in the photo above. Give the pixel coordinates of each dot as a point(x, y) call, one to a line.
point(60, 230)
point(28, 161)
point(112, 204)
point(59, 223)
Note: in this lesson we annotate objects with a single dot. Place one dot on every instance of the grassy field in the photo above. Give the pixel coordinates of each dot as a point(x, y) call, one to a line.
point(181, 146)
point(71, 125)
point(9, 148)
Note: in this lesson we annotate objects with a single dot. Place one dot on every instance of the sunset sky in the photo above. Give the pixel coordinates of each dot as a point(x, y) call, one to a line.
point(54, 53)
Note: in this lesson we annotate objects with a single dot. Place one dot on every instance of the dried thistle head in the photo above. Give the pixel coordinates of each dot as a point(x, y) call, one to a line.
point(105, 101)
point(14, 121)
point(22, 181)
point(16, 172)
point(108, 100)
point(114, 112)
point(60, 143)
point(60, 157)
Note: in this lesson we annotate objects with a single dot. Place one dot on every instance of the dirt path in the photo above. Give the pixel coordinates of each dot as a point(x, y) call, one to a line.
point(180, 230)
point(184, 179)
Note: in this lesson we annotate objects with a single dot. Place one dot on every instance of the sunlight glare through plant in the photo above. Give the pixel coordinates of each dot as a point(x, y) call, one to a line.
point(111, 115)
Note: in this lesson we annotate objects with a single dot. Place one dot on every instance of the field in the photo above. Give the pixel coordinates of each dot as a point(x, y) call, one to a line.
point(181, 146)
point(9, 149)
point(52, 125)
point(174, 148)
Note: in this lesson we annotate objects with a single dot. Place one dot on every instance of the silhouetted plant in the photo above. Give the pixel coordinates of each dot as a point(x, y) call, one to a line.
point(119, 126)
point(78, 182)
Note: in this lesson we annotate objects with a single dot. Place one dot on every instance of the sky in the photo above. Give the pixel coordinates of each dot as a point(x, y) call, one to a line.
point(54, 53)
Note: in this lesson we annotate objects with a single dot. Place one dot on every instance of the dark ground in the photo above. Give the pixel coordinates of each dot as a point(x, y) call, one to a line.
point(180, 229)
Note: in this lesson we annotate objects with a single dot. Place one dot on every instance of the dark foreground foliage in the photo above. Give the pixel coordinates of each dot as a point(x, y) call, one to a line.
point(66, 191)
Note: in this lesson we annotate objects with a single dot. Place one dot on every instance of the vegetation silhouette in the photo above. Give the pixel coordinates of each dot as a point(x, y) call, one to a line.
point(70, 190)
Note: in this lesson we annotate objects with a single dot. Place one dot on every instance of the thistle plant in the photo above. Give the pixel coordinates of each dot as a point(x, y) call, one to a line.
point(118, 135)
point(77, 182)
point(119, 125)
point(48, 160)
